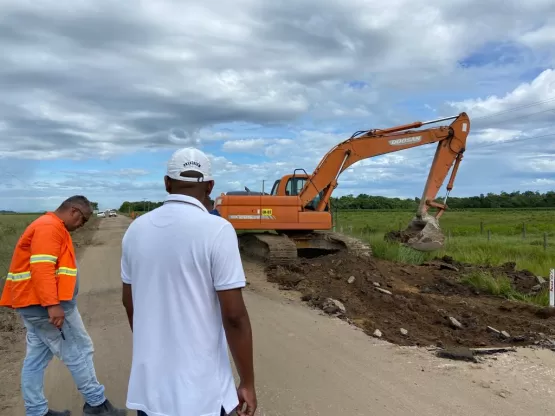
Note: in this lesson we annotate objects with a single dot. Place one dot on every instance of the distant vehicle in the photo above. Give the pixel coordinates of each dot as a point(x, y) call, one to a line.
point(101, 214)
point(113, 213)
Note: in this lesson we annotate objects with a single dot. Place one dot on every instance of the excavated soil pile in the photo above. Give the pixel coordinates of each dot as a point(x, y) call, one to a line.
point(420, 305)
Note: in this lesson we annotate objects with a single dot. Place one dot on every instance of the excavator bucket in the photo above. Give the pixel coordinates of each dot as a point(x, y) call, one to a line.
point(426, 234)
point(422, 234)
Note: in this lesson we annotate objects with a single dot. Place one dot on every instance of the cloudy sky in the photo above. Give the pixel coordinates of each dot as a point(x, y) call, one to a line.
point(95, 94)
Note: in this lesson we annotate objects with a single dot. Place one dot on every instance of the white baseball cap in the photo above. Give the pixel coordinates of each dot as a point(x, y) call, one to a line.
point(189, 159)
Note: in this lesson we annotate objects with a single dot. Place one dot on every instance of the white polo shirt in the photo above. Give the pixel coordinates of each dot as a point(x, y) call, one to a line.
point(176, 257)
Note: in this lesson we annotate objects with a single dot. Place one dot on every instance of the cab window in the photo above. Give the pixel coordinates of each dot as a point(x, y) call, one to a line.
point(294, 186)
point(275, 188)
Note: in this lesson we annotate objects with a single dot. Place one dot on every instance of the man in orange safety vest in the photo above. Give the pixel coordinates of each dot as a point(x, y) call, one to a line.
point(42, 286)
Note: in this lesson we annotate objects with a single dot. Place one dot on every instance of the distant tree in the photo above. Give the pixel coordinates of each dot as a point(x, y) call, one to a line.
point(138, 206)
point(516, 199)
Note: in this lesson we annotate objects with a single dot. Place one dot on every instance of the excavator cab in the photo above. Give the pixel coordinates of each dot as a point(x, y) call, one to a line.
point(292, 185)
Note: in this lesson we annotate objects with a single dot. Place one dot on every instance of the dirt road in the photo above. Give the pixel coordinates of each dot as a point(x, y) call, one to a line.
point(307, 363)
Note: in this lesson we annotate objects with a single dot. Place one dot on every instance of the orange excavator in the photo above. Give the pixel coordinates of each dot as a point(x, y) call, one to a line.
point(295, 219)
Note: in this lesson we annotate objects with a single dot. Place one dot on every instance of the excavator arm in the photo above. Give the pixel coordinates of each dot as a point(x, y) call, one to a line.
point(451, 142)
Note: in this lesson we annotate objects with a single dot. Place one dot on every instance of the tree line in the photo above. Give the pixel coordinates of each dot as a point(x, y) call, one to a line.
point(139, 206)
point(517, 199)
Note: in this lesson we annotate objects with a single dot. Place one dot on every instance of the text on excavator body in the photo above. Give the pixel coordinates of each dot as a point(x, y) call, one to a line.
point(405, 140)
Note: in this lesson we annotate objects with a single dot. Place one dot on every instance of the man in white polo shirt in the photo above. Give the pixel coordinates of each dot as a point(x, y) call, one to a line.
point(182, 290)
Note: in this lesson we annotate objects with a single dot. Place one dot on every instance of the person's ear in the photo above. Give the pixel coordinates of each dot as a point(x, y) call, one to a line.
point(209, 188)
point(168, 184)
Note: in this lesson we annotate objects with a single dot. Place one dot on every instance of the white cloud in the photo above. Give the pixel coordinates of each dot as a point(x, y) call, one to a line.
point(244, 145)
point(541, 163)
point(541, 182)
point(529, 103)
point(542, 37)
point(106, 173)
point(542, 88)
point(493, 135)
point(269, 87)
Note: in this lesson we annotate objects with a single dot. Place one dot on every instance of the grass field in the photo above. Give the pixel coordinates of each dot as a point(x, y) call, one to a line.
point(468, 232)
point(11, 227)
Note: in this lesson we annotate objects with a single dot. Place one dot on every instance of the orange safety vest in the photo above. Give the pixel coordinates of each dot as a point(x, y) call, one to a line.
point(43, 270)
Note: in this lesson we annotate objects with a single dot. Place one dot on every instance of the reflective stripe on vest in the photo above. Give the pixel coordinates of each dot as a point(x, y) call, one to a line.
point(43, 258)
point(19, 276)
point(68, 271)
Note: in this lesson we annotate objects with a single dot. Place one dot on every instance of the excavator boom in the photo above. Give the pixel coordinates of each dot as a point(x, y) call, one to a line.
point(451, 145)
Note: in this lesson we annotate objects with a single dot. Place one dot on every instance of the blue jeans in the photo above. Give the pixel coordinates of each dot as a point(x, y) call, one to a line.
point(44, 341)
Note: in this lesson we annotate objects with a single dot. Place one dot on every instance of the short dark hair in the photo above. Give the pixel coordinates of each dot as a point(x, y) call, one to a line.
point(76, 200)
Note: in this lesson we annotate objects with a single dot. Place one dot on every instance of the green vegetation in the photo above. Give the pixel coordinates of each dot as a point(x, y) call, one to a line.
point(501, 286)
point(489, 283)
point(472, 222)
point(11, 227)
point(467, 233)
point(138, 206)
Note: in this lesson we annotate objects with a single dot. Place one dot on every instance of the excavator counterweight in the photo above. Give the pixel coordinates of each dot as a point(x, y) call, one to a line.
point(295, 219)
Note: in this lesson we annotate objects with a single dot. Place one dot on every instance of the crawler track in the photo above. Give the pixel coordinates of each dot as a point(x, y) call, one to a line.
point(283, 249)
point(353, 245)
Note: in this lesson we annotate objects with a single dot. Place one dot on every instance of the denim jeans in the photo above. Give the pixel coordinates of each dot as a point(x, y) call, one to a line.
point(44, 341)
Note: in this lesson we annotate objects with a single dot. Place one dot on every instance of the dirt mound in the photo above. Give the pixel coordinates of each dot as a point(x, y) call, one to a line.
point(523, 281)
point(419, 305)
